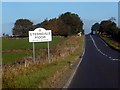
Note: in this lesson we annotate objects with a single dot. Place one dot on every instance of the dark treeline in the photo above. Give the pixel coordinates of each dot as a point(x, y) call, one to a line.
point(108, 28)
point(66, 24)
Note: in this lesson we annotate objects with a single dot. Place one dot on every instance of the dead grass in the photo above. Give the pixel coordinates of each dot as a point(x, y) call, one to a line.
point(63, 56)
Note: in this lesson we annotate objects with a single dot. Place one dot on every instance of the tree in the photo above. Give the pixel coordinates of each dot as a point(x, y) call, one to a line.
point(95, 28)
point(105, 26)
point(3, 34)
point(112, 19)
point(51, 24)
point(110, 28)
point(57, 26)
point(73, 22)
point(43, 24)
point(22, 26)
point(67, 24)
point(63, 28)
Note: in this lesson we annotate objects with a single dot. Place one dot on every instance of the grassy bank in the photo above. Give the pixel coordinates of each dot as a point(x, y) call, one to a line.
point(46, 75)
point(112, 43)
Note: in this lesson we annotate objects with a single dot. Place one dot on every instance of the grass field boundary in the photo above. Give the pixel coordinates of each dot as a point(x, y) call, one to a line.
point(15, 50)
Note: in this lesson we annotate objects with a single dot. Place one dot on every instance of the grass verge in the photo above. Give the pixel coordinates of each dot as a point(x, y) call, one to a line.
point(45, 76)
point(112, 43)
point(9, 58)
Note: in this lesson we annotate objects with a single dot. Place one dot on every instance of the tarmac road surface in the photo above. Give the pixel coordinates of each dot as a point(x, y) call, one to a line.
point(100, 66)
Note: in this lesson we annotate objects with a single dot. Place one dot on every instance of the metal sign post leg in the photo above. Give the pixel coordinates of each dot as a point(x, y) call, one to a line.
point(33, 52)
point(48, 53)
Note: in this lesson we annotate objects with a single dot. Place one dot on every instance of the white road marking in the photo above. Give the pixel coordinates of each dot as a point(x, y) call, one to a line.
point(116, 59)
point(71, 77)
point(94, 43)
point(110, 57)
point(101, 51)
point(106, 55)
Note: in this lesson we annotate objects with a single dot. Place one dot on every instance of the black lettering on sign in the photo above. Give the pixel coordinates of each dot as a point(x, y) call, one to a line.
point(40, 37)
point(30, 34)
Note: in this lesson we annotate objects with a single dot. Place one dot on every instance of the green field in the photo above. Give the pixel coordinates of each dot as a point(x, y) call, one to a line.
point(10, 44)
point(15, 49)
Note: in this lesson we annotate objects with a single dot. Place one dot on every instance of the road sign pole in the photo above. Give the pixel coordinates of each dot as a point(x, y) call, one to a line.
point(48, 53)
point(40, 35)
point(33, 52)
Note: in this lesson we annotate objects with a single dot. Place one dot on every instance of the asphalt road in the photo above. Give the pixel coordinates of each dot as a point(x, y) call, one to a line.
point(99, 67)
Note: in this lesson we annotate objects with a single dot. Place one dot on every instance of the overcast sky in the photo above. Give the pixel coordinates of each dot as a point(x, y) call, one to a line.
point(89, 12)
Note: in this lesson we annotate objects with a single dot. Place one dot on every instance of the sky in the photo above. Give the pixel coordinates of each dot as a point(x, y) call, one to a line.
point(119, 15)
point(59, 0)
point(89, 12)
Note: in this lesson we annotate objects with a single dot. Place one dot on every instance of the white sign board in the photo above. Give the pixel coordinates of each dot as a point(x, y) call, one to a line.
point(40, 35)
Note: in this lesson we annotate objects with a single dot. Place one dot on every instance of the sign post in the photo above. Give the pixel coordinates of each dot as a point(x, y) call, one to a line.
point(40, 35)
point(33, 52)
point(48, 53)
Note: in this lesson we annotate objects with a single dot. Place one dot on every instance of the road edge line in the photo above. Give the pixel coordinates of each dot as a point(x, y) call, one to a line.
point(101, 51)
point(103, 41)
point(73, 74)
point(109, 45)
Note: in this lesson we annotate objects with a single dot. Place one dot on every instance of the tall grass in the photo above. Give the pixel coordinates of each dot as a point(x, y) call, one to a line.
point(38, 74)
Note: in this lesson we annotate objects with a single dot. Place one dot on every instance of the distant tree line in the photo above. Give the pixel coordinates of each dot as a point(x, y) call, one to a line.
point(66, 24)
point(108, 28)
point(21, 27)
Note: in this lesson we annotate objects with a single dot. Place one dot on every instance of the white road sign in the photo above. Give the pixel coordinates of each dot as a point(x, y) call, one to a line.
point(40, 35)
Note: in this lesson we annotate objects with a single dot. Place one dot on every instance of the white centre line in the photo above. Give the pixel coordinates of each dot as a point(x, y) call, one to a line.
point(116, 59)
point(101, 51)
